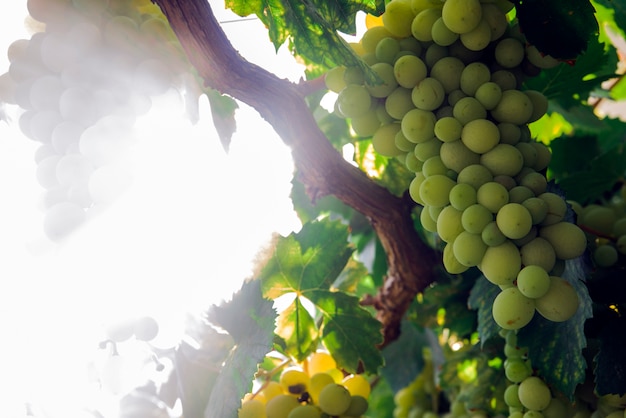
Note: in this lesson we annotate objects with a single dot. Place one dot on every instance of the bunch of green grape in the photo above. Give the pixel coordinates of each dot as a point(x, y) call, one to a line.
point(605, 226)
point(418, 399)
point(450, 108)
point(314, 389)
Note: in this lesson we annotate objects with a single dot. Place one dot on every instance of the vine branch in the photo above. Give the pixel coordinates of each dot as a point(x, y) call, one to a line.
point(319, 166)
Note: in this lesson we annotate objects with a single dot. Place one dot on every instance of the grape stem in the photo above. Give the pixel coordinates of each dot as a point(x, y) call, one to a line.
point(323, 171)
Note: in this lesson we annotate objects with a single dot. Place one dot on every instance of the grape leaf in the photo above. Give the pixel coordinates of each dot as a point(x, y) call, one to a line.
point(350, 332)
point(618, 8)
point(298, 330)
point(560, 28)
point(481, 298)
point(250, 320)
point(311, 26)
point(223, 112)
point(555, 348)
point(610, 361)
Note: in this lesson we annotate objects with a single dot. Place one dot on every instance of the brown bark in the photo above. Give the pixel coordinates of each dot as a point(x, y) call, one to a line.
point(320, 167)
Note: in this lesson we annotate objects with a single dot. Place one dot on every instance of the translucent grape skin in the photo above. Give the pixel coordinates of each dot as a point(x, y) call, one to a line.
point(533, 281)
point(512, 310)
point(334, 399)
point(560, 302)
point(280, 406)
point(534, 394)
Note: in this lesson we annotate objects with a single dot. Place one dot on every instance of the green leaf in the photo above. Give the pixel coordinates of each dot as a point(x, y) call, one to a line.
point(250, 320)
point(618, 8)
point(481, 298)
point(571, 154)
point(298, 330)
point(555, 348)
point(349, 331)
point(560, 28)
point(610, 361)
point(223, 112)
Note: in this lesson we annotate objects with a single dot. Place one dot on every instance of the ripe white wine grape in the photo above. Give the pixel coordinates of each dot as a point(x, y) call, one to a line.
point(334, 399)
point(511, 309)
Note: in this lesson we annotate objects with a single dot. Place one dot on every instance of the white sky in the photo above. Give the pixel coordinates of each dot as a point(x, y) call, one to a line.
point(179, 239)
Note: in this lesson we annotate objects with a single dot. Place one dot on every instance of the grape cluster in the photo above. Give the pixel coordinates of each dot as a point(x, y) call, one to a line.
point(80, 81)
point(449, 106)
point(418, 399)
point(315, 389)
point(605, 226)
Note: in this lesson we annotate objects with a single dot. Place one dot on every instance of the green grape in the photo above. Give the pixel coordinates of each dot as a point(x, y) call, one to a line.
point(475, 218)
point(334, 399)
point(461, 16)
point(456, 156)
point(272, 389)
point(358, 406)
point(448, 129)
point(434, 53)
point(305, 411)
point(540, 104)
point(520, 194)
point(501, 263)
point(434, 190)
point(621, 244)
point(599, 218)
point(533, 281)
point(558, 409)
point(280, 406)
point(468, 109)
point(514, 220)
point(507, 181)
point(528, 152)
point(367, 124)
point(353, 75)
point(357, 385)
point(473, 76)
point(412, 45)
point(448, 72)
point(516, 370)
point(509, 133)
point(404, 398)
point(514, 107)
point(441, 34)
point(398, 17)
point(535, 181)
point(402, 143)
point(444, 111)
point(252, 408)
point(409, 70)
point(386, 73)
point(480, 135)
point(146, 328)
point(449, 224)
point(560, 302)
point(534, 394)
point(468, 248)
point(334, 79)
point(492, 195)
point(450, 263)
point(434, 165)
point(538, 209)
point(503, 159)
point(412, 163)
point(384, 140)
point(372, 36)
point(428, 94)
point(475, 175)
point(511, 309)
point(454, 97)
point(505, 79)
point(510, 396)
point(509, 52)
point(428, 223)
point(399, 102)
point(354, 100)
point(492, 236)
point(462, 196)
point(294, 381)
point(418, 125)
point(543, 156)
point(425, 150)
point(387, 49)
point(619, 227)
point(488, 94)
point(317, 382)
point(422, 24)
point(496, 19)
point(478, 38)
point(512, 352)
point(568, 240)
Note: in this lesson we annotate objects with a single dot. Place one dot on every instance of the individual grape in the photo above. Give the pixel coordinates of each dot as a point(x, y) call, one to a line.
point(399, 102)
point(540, 104)
point(462, 195)
point(412, 163)
point(509, 52)
point(146, 328)
point(543, 156)
point(367, 124)
point(422, 24)
point(475, 175)
point(538, 209)
point(384, 141)
point(428, 223)
point(353, 75)
point(294, 381)
point(461, 16)
point(435, 190)
point(305, 411)
point(514, 107)
point(492, 236)
point(387, 49)
point(434, 53)
point(418, 125)
point(468, 248)
point(448, 71)
point(468, 109)
point(434, 165)
point(252, 408)
point(568, 240)
point(334, 399)
point(480, 135)
point(354, 100)
point(510, 396)
point(619, 227)
point(501, 263)
point(514, 220)
point(557, 409)
point(511, 309)
point(454, 97)
point(473, 76)
point(425, 150)
point(488, 94)
point(358, 406)
point(456, 156)
point(505, 79)
point(414, 187)
point(397, 18)
point(448, 129)
point(599, 218)
point(317, 382)
point(357, 385)
point(449, 224)
point(441, 34)
point(492, 195)
point(475, 218)
point(507, 181)
point(496, 19)
point(319, 362)
point(539, 59)
point(385, 72)
point(520, 194)
point(409, 70)
point(450, 263)
point(372, 36)
point(560, 302)
point(428, 94)
point(503, 159)
point(478, 38)
point(533, 281)
point(516, 370)
point(280, 406)
point(535, 182)
point(534, 394)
